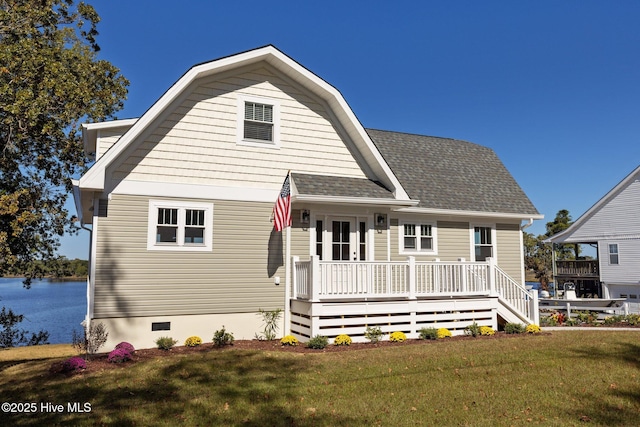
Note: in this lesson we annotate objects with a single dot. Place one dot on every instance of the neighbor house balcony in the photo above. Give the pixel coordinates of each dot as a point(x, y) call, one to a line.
point(578, 268)
point(405, 294)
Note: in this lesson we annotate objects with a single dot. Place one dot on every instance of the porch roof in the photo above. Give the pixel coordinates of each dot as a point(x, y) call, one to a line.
point(448, 174)
point(341, 188)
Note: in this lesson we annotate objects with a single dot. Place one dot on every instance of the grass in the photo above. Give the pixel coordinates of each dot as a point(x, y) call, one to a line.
point(566, 378)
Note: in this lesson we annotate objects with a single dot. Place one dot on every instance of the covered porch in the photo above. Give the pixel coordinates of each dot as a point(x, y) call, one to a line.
point(345, 297)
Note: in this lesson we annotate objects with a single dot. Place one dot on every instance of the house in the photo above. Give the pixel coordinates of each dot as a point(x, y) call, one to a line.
point(612, 225)
point(388, 229)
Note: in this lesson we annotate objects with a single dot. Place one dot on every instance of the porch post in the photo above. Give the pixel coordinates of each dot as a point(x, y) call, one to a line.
point(491, 276)
point(535, 309)
point(411, 265)
point(294, 277)
point(463, 272)
point(314, 280)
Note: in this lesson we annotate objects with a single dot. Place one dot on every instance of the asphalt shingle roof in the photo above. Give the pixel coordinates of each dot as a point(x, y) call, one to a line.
point(323, 185)
point(446, 173)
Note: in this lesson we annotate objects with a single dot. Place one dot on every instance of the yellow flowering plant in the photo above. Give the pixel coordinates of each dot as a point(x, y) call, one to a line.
point(289, 340)
point(342, 339)
point(532, 329)
point(398, 336)
point(193, 341)
point(487, 330)
point(444, 333)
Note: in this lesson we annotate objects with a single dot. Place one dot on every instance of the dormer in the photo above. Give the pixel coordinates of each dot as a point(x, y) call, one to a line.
point(97, 138)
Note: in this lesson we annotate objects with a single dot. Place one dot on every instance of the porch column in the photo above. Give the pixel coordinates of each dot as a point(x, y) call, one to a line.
point(491, 276)
point(294, 279)
point(411, 276)
point(315, 279)
point(535, 311)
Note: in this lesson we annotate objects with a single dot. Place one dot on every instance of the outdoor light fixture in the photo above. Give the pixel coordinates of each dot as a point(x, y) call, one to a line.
point(305, 215)
point(381, 220)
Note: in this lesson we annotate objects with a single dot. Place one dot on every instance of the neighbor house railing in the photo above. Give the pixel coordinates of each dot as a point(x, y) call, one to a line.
point(316, 280)
point(578, 268)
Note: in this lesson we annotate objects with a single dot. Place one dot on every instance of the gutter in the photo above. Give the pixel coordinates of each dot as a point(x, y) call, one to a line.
point(527, 225)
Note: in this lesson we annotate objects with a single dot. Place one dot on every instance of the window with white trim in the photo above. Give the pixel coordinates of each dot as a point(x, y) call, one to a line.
point(185, 226)
point(483, 246)
point(258, 123)
point(613, 254)
point(417, 237)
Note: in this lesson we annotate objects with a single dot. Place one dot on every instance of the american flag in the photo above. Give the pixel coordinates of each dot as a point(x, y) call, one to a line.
point(282, 208)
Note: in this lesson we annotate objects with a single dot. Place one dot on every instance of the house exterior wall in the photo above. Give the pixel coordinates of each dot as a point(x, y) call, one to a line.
point(235, 277)
point(619, 216)
point(627, 271)
point(106, 139)
point(197, 142)
point(509, 250)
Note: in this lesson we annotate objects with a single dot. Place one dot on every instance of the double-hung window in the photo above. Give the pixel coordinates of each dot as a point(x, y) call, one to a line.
point(258, 122)
point(418, 237)
point(185, 226)
point(613, 254)
point(482, 243)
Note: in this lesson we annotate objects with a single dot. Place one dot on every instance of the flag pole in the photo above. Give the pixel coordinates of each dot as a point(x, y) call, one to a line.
point(287, 271)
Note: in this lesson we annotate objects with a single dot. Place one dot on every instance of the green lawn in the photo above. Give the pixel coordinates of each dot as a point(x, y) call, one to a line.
point(563, 378)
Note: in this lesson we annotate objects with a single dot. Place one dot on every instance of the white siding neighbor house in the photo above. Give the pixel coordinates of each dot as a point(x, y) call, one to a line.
point(613, 226)
point(388, 229)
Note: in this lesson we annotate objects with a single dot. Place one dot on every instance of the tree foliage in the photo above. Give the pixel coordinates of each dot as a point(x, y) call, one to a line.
point(561, 222)
point(51, 81)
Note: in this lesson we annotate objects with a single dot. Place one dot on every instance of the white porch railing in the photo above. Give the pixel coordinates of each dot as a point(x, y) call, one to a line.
point(316, 280)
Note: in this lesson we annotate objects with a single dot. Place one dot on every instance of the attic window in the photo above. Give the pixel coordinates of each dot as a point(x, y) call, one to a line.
point(258, 121)
point(257, 124)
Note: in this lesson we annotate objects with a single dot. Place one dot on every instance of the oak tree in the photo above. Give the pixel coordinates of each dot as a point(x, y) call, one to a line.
point(51, 81)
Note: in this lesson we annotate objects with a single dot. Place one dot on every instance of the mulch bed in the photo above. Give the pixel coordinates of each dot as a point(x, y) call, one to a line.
point(99, 362)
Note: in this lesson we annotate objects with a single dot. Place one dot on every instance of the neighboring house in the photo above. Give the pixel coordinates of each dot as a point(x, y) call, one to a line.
point(388, 229)
point(612, 225)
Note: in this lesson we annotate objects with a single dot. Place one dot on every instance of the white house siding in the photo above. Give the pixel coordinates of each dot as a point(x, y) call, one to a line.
point(509, 250)
point(106, 139)
point(235, 277)
point(628, 269)
point(619, 216)
point(197, 141)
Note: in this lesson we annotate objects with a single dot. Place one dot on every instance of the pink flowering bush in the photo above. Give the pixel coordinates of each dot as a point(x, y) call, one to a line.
point(126, 346)
point(74, 364)
point(119, 355)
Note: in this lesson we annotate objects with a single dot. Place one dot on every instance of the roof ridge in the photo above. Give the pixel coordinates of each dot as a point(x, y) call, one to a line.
point(422, 135)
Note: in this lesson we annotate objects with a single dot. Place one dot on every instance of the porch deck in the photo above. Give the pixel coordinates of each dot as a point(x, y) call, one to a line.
point(333, 297)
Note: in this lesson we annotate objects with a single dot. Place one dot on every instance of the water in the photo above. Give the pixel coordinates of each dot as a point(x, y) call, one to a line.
point(58, 307)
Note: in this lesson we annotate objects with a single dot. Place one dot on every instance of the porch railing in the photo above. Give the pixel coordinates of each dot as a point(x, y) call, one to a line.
point(577, 268)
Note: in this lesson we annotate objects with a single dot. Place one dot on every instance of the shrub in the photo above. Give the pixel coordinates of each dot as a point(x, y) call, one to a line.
point(119, 355)
point(93, 338)
point(487, 331)
point(514, 328)
point(126, 346)
point(473, 330)
point(373, 334)
point(165, 343)
point(193, 341)
point(342, 339)
point(222, 337)
point(289, 340)
point(633, 319)
point(74, 364)
point(443, 333)
point(270, 320)
point(428, 333)
point(398, 336)
point(318, 342)
point(533, 329)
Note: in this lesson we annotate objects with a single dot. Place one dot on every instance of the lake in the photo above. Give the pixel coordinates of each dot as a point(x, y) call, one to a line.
point(58, 307)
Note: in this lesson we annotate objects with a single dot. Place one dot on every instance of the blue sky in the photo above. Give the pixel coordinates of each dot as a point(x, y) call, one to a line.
point(553, 87)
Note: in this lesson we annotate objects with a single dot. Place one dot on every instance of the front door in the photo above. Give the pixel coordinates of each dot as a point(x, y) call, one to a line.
point(343, 240)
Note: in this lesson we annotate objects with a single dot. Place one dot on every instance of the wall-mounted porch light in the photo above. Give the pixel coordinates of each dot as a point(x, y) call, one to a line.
point(305, 216)
point(381, 220)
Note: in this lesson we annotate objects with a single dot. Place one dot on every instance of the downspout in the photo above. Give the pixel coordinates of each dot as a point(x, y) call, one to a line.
point(527, 225)
point(87, 318)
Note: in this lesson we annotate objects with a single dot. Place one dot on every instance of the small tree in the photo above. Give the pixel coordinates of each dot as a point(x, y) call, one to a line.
point(91, 340)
